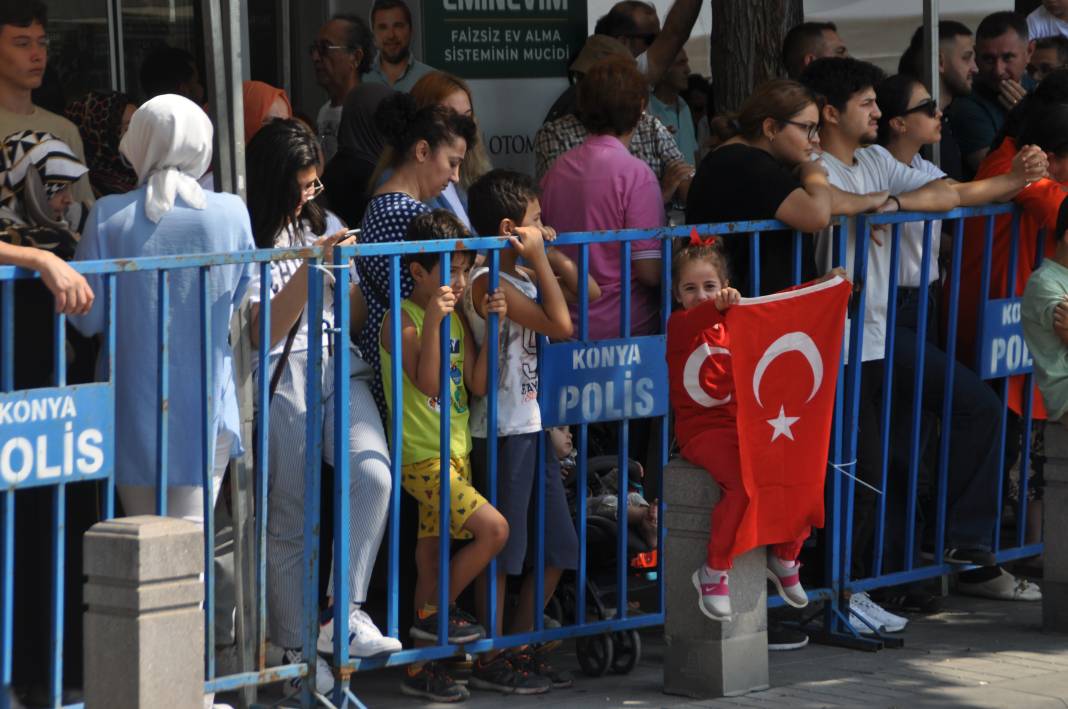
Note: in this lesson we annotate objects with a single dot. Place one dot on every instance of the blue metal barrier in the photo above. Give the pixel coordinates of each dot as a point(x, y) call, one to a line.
point(838, 581)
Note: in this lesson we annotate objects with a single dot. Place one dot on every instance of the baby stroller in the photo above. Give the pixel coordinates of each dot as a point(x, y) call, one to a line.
point(617, 651)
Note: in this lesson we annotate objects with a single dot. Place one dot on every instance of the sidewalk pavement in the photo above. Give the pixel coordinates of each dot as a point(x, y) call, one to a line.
point(975, 653)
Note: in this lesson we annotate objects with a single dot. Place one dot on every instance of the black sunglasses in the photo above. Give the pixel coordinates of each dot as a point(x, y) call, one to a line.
point(930, 107)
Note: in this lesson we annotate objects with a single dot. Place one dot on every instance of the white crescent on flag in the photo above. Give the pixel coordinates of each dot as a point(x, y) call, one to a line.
point(790, 342)
point(691, 375)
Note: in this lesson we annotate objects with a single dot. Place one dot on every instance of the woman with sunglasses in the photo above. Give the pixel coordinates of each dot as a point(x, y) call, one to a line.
point(910, 120)
point(765, 170)
point(283, 182)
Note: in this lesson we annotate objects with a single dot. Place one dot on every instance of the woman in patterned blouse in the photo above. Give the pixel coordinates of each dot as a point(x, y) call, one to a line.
point(427, 146)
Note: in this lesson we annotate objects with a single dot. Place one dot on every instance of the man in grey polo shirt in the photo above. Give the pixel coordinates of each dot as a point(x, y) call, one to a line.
point(391, 22)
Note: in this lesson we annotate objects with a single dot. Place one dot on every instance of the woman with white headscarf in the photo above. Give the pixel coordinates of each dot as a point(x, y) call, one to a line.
point(169, 146)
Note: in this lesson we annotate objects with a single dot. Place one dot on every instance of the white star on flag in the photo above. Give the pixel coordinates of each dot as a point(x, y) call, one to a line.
point(781, 425)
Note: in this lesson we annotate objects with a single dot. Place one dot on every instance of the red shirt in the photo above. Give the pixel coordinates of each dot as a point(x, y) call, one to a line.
point(699, 371)
point(1040, 202)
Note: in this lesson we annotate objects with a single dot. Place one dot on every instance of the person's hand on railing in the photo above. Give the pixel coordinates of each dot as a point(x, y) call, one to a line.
point(890, 204)
point(442, 304)
point(1060, 320)
point(1010, 93)
point(70, 289)
point(726, 298)
point(496, 302)
point(1030, 164)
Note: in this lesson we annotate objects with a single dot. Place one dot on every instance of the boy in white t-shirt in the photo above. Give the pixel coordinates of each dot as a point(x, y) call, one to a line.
point(506, 203)
point(1048, 20)
point(849, 129)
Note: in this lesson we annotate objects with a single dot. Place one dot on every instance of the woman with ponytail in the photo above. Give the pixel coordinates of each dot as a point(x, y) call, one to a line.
point(764, 169)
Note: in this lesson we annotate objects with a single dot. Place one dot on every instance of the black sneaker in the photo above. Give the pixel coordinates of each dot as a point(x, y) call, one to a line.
point(433, 683)
point(501, 674)
point(538, 663)
point(912, 600)
point(462, 628)
point(979, 557)
point(783, 637)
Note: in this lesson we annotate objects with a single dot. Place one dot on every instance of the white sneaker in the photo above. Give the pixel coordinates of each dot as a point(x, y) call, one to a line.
point(858, 625)
point(324, 678)
point(365, 639)
point(713, 594)
point(882, 619)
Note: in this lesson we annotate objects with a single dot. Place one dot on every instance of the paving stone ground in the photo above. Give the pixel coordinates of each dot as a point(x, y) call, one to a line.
point(975, 653)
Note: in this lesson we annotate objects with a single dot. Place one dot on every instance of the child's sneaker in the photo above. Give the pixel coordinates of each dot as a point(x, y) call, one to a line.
point(536, 661)
point(714, 598)
point(503, 675)
point(784, 574)
point(433, 683)
point(462, 627)
point(365, 639)
point(324, 678)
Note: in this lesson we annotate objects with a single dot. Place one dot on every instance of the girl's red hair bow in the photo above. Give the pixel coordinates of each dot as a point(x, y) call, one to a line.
point(698, 240)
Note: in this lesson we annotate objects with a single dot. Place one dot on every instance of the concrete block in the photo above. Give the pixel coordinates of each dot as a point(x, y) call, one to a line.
point(144, 627)
point(705, 658)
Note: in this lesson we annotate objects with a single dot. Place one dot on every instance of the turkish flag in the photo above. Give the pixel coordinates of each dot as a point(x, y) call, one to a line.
point(785, 351)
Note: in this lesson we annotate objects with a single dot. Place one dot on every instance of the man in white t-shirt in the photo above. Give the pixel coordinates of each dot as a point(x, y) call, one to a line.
point(341, 52)
point(850, 125)
point(1048, 20)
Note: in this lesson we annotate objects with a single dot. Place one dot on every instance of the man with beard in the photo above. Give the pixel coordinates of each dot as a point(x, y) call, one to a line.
point(340, 53)
point(956, 70)
point(849, 127)
point(391, 22)
point(1002, 51)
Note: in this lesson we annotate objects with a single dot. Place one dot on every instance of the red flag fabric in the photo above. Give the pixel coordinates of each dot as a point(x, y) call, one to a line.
point(785, 352)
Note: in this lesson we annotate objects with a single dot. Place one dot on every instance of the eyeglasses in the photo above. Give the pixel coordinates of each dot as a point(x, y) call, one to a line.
point(313, 190)
point(323, 46)
point(811, 129)
point(930, 107)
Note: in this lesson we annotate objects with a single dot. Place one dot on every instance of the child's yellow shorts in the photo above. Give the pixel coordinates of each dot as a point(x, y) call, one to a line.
point(422, 481)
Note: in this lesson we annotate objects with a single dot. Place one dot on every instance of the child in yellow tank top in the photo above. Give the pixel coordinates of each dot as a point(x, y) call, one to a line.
point(470, 515)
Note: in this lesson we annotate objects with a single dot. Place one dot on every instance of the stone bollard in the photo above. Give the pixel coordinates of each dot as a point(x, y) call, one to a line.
point(144, 627)
point(1055, 530)
point(705, 658)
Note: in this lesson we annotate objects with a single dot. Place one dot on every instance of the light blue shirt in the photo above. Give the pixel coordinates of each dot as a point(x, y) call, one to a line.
point(679, 122)
point(415, 71)
point(118, 228)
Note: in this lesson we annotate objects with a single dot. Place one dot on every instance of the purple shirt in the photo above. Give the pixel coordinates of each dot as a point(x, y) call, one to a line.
point(600, 185)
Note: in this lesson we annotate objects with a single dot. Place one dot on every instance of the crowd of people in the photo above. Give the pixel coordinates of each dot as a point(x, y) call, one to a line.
point(396, 153)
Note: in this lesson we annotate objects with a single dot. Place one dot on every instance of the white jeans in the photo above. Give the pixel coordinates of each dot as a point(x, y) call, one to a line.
point(183, 501)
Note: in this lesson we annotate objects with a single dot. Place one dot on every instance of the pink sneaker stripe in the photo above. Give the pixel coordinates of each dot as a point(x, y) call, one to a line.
point(791, 580)
point(714, 589)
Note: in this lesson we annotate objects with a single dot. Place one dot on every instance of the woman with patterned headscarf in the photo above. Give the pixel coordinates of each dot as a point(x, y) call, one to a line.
point(35, 192)
point(102, 118)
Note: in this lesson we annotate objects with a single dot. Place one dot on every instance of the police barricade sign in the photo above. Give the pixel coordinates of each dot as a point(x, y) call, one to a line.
point(607, 380)
point(56, 435)
point(1003, 351)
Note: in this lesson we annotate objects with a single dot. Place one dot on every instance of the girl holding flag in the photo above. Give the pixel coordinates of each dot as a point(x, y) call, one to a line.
point(758, 479)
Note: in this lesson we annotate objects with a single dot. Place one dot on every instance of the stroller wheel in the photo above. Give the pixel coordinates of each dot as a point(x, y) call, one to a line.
point(595, 654)
point(626, 651)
